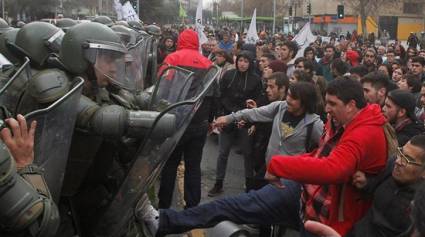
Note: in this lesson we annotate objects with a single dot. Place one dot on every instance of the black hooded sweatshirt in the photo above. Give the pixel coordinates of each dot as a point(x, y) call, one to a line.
point(236, 87)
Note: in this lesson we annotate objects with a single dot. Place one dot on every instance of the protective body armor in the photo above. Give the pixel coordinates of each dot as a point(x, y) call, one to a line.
point(118, 147)
point(26, 207)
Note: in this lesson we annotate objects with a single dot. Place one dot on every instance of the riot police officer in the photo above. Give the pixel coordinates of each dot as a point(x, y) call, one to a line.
point(110, 120)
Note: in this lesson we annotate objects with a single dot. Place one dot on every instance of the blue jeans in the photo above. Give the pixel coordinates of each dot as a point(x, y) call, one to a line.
point(268, 205)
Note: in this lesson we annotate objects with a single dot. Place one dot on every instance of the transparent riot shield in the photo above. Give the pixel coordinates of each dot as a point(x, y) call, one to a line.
point(185, 97)
point(12, 88)
point(55, 126)
point(138, 69)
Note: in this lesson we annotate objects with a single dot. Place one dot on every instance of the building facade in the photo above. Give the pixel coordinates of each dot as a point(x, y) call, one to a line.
point(398, 18)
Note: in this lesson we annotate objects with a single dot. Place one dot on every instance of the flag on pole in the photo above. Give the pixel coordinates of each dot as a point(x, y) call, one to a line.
point(118, 9)
point(199, 27)
point(252, 36)
point(303, 39)
point(128, 12)
point(182, 12)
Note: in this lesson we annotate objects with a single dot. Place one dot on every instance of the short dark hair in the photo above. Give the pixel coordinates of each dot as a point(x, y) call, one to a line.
point(360, 70)
point(307, 94)
point(340, 66)
point(419, 141)
point(303, 76)
point(269, 56)
point(418, 59)
point(413, 81)
point(347, 90)
point(329, 46)
point(377, 79)
point(309, 65)
point(300, 59)
point(391, 51)
point(281, 79)
point(292, 46)
point(309, 49)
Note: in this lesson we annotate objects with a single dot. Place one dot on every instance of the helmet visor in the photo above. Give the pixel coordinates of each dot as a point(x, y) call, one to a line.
point(55, 42)
point(112, 63)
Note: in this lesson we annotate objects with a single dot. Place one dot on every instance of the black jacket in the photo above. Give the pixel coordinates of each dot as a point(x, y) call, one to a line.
point(236, 87)
point(409, 131)
point(390, 211)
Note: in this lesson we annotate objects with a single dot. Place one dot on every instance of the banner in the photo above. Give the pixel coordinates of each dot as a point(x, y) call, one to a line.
point(304, 38)
point(199, 27)
point(118, 9)
point(182, 12)
point(128, 12)
point(252, 36)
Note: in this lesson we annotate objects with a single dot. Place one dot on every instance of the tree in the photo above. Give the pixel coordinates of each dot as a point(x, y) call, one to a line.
point(367, 8)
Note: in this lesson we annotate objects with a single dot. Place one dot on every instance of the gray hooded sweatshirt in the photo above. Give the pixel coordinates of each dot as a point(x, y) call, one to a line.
point(279, 143)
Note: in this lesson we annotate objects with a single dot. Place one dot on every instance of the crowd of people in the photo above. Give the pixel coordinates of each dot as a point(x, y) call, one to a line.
point(333, 141)
point(339, 130)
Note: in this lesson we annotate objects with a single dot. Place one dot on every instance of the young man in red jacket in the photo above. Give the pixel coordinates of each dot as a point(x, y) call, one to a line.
point(354, 140)
point(192, 142)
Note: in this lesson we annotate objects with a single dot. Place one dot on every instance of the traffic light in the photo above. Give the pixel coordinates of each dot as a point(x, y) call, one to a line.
point(290, 11)
point(309, 8)
point(340, 11)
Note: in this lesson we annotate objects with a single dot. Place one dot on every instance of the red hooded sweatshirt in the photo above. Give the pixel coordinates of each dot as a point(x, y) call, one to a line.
point(362, 146)
point(187, 54)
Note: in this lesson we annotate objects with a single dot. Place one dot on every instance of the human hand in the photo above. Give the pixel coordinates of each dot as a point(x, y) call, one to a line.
point(273, 180)
point(251, 130)
point(19, 141)
point(220, 122)
point(250, 104)
point(320, 229)
point(267, 72)
point(359, 179)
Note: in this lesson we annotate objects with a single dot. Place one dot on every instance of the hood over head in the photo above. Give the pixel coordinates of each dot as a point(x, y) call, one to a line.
point(188, 39)
point(248, 55)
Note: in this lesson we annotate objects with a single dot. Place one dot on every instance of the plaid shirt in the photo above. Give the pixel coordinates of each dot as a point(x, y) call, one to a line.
point(316, 199)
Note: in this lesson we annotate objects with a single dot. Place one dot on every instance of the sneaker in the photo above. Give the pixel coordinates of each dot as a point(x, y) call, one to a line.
point(216, 190)
point(148, 216)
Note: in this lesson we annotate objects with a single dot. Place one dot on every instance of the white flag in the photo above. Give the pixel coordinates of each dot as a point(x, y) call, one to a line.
point(303, 39)
point(198, 25)
point(252, 36)
point(128, 12)
point(118, 9)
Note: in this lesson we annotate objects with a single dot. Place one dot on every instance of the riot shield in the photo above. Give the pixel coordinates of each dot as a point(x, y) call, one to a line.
point(55, 126)
point(12, 88)
point(139, 53)
point(154, 58)
point(155, 149)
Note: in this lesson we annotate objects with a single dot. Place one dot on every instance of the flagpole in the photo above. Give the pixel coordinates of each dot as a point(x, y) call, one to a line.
point(242, 8)
point(274, 16)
